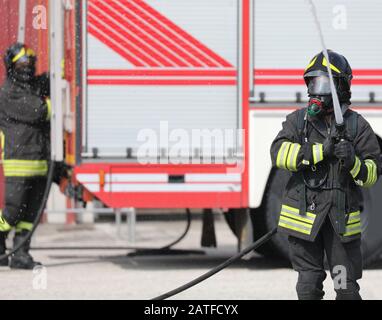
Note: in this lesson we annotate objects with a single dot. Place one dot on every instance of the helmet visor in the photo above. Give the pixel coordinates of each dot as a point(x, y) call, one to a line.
point(319, 86)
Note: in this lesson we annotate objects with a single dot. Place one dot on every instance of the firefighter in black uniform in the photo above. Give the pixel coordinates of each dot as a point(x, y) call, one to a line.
point(25, 130)
point(322, 203)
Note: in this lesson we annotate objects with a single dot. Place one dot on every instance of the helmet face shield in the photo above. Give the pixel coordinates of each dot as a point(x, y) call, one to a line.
point(319, 86)
point(342, 74)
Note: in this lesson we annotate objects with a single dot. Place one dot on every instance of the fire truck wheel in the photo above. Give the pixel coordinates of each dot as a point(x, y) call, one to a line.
point(371, 220)
point(265, 218)
point(236, 220)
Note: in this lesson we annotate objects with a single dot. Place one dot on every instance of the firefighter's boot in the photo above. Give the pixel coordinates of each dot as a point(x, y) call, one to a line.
point(3, 248)
point(21, 259)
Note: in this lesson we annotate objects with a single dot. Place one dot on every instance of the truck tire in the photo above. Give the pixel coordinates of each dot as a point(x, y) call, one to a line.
point(265, 218)
point(371, 219)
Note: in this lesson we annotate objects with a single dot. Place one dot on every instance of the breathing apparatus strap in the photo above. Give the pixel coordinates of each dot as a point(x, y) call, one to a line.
point(331, 184)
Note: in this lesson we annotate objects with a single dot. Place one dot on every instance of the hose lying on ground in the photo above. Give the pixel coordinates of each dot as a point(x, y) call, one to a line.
point(166, 247)
point(220, 267)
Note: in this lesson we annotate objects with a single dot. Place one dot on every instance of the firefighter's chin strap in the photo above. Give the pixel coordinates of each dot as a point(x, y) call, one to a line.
point(39, 215)
point(219, 268)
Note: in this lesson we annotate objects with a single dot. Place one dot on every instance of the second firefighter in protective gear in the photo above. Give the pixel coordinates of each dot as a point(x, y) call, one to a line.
point(322, 203)
point(25, 143)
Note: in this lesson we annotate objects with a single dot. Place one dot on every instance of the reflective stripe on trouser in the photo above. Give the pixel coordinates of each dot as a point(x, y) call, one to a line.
point(23, 225)
point(4, 225)
point(25, 168)
point(287, 156)
point(353, 225)
point(290, 218)
point(23, 199)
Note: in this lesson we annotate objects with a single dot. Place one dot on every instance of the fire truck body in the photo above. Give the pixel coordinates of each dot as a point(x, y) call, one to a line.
point(173, 93)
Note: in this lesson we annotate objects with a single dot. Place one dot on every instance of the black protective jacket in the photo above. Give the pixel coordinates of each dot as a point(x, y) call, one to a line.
point(319, 187)
point(25, 130)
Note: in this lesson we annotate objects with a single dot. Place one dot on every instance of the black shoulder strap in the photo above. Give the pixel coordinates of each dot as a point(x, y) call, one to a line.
point(301, 113)
point(301, 120)
point(352, 125)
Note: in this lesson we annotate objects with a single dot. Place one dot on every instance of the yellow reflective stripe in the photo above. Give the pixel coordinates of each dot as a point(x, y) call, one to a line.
point(354, 220)
point(293, 226)
point(294, 216)
point(334, 68)
point(354, 214)
point(311, 64)
point(22, 225)
point(25, 168)
point(354, 217)
point(357, 167)
point(2, 141)
point(63, 68)
point(352, 233)
point(28, 163)
point(4, 225)
point(305, 226)
point(20, 55)
point(49, 109)
point(282, 155)
point(318, 153)
point(371, 173)
point(309, 214)
point(353, 229)
point(292, 156)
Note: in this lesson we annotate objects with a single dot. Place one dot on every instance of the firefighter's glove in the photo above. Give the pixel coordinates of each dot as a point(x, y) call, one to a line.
point(344, 151)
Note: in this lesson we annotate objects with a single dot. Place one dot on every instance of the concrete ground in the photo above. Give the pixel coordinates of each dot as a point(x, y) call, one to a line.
point(110, 274)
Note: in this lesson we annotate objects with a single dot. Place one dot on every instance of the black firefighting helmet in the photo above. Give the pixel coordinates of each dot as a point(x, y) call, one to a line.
point(20, 62)
point(317, 80)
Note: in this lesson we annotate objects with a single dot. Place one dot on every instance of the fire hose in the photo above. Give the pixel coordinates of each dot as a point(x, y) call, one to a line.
point(219, 268)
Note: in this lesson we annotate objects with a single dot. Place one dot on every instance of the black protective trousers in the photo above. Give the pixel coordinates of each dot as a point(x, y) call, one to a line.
point(23, 198)
point(344, 260)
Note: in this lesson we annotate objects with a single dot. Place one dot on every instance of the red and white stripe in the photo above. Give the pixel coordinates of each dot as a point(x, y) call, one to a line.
point(163, 77)
point(226, 77)
point(147, 183)
point(146, 38)
point(294, 77)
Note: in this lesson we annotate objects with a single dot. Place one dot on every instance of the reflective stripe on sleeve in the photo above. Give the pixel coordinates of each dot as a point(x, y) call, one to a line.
point(371, 173)
point(357, 167)
point(282, 155)
point(22, 225)
point(287, 156)
point(292, 156)
point(318, 153)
